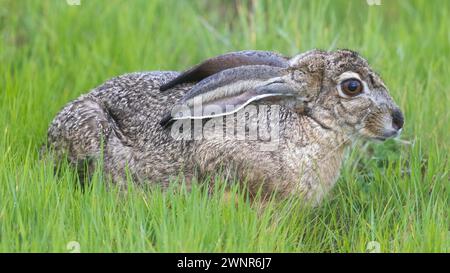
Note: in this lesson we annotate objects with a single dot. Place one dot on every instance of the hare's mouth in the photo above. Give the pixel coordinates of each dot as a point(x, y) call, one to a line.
point(387, 135)
point(379, 138)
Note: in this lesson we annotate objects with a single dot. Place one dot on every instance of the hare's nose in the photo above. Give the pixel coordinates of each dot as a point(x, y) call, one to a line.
point(397, 119)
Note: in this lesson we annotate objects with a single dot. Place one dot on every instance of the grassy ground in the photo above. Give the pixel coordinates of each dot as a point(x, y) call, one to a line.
point(394, 194)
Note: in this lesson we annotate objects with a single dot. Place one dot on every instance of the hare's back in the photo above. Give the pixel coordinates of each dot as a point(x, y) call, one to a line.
point(136, 105)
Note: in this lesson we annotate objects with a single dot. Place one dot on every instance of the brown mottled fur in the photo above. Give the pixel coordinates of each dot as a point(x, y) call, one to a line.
point(121, 118)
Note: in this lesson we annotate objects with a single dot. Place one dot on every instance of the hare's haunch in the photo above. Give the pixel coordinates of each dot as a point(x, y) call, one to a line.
point(279, 124)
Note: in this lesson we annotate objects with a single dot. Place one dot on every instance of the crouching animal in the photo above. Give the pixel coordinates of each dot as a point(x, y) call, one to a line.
point(280, 124)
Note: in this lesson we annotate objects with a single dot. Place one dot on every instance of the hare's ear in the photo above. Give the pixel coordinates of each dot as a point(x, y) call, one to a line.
point(231, 90)
point(226, 61)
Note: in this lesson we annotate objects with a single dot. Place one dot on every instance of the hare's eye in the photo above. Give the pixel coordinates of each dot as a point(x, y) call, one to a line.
point(352, 87)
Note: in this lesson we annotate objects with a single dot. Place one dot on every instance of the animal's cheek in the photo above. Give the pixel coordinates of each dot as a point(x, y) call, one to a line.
point(352, 111)
point(356, 104)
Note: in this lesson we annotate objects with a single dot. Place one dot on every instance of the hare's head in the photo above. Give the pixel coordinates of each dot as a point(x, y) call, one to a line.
point(346, 94)
point(337, 89)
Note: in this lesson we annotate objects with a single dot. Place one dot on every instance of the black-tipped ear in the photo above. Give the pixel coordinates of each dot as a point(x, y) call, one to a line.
point(227, 61)
point(231, 90)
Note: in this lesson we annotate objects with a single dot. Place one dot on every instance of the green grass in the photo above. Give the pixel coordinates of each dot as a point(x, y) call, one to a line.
point(395, 194)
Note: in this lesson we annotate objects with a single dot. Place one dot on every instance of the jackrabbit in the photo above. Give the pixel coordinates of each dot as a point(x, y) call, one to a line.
point(279, 124)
